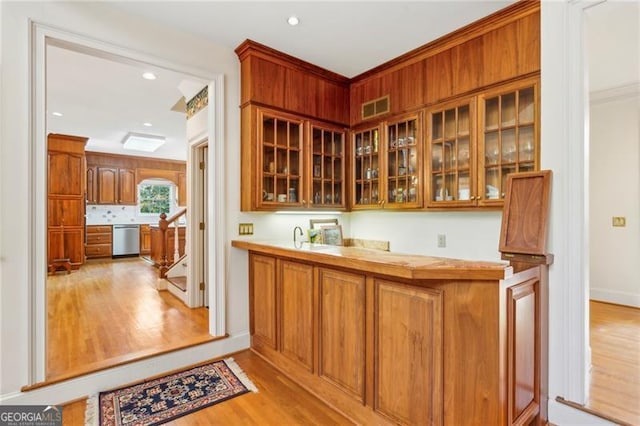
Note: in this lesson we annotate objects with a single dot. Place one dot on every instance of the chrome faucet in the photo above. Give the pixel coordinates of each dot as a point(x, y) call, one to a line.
point(297, 228)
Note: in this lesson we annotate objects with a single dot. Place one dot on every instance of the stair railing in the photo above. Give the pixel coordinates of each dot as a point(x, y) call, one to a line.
point(164, 224)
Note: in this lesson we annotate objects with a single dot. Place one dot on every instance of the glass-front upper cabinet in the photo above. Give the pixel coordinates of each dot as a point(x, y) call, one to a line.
point(508, 140)
point(281, 160)
point(404, 162)
point(327, 167)
point(451, 154)
point(367, 168)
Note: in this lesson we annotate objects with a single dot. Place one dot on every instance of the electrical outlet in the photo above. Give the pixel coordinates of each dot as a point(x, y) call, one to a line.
point(245, 229)
point(442, 240)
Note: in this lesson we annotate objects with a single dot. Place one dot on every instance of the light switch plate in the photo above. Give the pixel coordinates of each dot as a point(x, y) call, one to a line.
point(245, 229)
point(619, 221)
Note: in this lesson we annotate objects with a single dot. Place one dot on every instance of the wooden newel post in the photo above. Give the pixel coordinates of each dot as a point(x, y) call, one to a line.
point(163, 225)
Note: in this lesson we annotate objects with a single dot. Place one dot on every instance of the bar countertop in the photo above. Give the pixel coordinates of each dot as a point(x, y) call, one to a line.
point(406, 266)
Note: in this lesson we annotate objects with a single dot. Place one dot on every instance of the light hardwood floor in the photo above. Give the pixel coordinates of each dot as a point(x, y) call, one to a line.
point(279, 401)
point(615, 357)
point(109, 312)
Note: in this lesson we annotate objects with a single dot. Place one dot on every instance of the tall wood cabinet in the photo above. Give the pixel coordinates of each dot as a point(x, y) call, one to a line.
point(65, 201)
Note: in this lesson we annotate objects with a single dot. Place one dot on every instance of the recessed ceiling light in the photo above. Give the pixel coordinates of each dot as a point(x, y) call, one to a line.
point(147, 124)
point(142, 142)
point(149, 76)
point(293, 20)
point(57, 114)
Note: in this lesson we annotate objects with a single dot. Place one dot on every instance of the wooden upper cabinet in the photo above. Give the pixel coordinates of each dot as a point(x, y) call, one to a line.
point(127, 188)
point(116, 186)
point(66, 174)
point(92, 185)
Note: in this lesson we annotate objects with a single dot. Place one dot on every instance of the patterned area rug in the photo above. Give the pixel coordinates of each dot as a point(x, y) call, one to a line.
point(161, 400)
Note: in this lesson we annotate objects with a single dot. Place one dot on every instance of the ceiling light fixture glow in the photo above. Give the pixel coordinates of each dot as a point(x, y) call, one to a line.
point(293, 20)
point(57, 114)
point(149, 76)
point(142, 142)
point(147, 124)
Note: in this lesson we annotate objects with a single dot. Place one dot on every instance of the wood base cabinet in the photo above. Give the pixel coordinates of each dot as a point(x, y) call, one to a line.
point(393, 350)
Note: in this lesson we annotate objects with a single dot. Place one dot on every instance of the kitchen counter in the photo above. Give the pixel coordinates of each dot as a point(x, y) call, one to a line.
point(406, 266)
point(390, 338)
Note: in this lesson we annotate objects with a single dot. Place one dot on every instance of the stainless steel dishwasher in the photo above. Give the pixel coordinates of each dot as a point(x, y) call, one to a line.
point(126, 240)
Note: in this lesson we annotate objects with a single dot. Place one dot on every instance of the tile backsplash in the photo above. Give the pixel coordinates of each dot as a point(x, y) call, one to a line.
point(110, 214)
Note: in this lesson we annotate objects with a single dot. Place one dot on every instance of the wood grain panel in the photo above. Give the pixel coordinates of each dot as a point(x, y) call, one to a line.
point(66, 174)
point(92, 189)
point(127, 188)
point(333, 102)
point(107, 185)
point(472, 356)
point(262, 296)
point(68, 246)
point(300, 89)
point(523, 325)
point(268, 82)
point(65, 211)
point(97, 159)
point(439, 77)
point(182, 189)
point(409, 357)
point(296, 316)
point(467, 61)
point(500, 54)
point(408, 87)
point(528, 32)
point(342, 330)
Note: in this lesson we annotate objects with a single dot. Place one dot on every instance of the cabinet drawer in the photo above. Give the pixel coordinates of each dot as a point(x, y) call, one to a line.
point(102, 250)
point(98, 239)
point(99, 229)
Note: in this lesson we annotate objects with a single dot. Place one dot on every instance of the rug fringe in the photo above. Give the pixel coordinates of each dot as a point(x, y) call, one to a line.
point(246, 381)
point(91, 417)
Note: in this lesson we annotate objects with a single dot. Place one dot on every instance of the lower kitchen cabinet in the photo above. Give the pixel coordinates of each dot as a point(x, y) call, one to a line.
point(145, 240)
point(99, 241)
point(452, 350)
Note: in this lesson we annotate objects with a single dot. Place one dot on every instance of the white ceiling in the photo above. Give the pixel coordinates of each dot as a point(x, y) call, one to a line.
point(104, 100)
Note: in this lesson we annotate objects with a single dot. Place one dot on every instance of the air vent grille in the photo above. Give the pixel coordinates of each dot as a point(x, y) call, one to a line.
point(375, 107)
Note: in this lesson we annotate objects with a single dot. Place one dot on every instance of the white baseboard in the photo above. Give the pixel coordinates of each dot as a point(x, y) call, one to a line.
point(563, 415)
point(118, 376)
point(614, 296)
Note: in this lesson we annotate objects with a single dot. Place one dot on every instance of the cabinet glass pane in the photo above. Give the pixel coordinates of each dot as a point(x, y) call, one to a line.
point(316, 142)
point(450, 187)
point(463, 153)
point(491, 151)
point(436, 126)
point(464, 188)
point(503, 185)
point(281, 132)
point(491, 113)
point(526, 106)
point(450, 124)
point(437, 188)
point(492, 182)
point(463, 121)
point(509, 146)
point(268, 131)
point(449, 155)
point(526, 143)
point(436, 157)
point(367, 167)
point(508, 115)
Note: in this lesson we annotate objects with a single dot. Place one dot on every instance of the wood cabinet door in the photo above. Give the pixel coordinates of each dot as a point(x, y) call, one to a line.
point(296, 312)
point(342, 330)
point(408, 353)
point(66, 174)
point(66, 245)
point(92, 186)
point(145, 239)
point(107, 185)
point(127, 186)
point(262, 299)
point(65, 211)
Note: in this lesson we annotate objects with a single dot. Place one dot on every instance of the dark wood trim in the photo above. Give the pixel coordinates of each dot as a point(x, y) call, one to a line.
point(133, 162)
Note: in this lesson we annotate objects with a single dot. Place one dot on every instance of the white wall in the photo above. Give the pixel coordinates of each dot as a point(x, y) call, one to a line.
point(614, 178)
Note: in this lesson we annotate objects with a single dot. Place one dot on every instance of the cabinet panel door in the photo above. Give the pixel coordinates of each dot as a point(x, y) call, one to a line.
point(409, 353)
point(342, 330)
point(145, 239)
point(107, 181)
point(66, 174)
point(92, 189)
point(523, 328)
point(297, 312)
point(67, 245)
point(262, 296)
point(126, 186)
point(67, 212)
